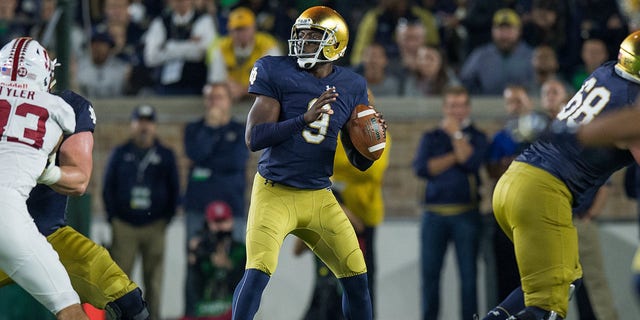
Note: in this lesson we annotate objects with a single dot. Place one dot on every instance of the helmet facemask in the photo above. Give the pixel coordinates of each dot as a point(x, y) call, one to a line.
point(308, 60)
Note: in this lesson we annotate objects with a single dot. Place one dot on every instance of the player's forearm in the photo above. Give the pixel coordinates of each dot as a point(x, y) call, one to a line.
point(620, 126)
point(269, 134)
point(73, 181)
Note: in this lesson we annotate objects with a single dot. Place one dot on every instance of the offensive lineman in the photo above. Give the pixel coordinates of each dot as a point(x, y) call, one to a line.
point(555, 174)
point(301, 104)
point(31, 123)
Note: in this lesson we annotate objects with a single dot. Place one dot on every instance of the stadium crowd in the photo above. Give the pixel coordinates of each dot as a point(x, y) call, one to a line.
point(139, 47)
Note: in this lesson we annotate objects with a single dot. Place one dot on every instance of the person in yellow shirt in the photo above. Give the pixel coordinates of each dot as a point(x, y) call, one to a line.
point(361, 192)
point(231, 57)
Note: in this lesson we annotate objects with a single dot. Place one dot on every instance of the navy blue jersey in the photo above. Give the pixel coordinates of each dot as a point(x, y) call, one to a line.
point(584, 170)
point(46, 206)
point(306, 159)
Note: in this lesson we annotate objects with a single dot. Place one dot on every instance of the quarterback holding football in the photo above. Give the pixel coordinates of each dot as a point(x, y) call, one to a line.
point(302, 103)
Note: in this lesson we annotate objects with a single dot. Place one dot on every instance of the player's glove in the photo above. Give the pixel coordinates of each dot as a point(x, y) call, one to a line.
point(538, 126)
point(529, 127)
point(51, 173)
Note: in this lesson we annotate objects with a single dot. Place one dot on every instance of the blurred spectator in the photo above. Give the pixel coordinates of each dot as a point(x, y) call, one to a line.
point(276, 17)
point(140, 194)
point(374, 69)
point(631, 11)
point(545, 67)
point(230, 58)
point(593, 54)
point(594, 297)
point(176, 44)
point(99, 74)
point(547, 24)
point(217, 262)
point(507, 57)
point(208, 6)
point(380, 23)
point(449, 157)
point(432, 74)
point(143, 11)
point(503, 149)
point(127, 36)
point(554, 23)
point(479, 15)
point(453, 35)
point(553, 96)
point(409, 37)
point(602, 19)
point(38, 30)
point(216, 149)
point(10, 26)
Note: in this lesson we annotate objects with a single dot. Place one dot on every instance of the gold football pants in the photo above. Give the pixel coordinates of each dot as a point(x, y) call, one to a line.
point(533, 208)
point(312, 215)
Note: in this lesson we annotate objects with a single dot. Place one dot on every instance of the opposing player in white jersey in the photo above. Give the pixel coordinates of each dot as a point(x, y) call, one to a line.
point(31, 123)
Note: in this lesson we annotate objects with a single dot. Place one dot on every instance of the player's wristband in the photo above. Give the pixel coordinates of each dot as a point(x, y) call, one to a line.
point(273, 133)
point(50, 175)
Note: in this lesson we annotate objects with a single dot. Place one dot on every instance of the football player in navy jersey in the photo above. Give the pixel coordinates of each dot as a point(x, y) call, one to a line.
point(533, 200)
point(302, 102)
point(94, 275)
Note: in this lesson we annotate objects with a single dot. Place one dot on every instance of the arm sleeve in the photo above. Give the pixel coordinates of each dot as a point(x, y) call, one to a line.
point(273, 133)
point(355, 158)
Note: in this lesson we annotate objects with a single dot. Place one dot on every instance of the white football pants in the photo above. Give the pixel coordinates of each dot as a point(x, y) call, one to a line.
point(27, 257)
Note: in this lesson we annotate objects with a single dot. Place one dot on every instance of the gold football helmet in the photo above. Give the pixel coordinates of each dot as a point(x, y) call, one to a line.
point(628, 65)
point(331, 46)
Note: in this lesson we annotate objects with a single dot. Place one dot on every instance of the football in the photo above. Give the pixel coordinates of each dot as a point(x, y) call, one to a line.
point(366, 133)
